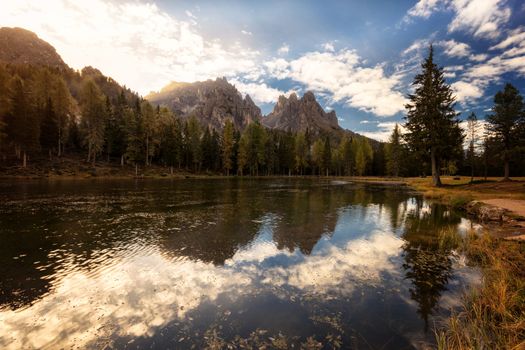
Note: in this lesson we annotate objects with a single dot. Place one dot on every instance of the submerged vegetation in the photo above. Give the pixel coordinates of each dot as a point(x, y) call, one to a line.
point(493, 315)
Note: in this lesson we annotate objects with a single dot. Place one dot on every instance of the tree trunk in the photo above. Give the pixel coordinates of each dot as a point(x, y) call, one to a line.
point(122, 160)
point(436, 180)
point(136, 170)
point(24, 160)
point(147, 150)
point(507, 171)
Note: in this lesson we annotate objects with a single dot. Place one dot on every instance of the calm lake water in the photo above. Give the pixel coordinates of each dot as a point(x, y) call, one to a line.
point(215, 263)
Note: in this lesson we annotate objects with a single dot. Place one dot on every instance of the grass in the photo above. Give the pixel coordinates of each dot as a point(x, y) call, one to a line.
point(458, 191)
point(493, 315)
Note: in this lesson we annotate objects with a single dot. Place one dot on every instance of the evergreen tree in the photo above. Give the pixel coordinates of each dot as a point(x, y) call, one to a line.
point(472, 129)
point(317, 154)
point(327, 155)
point(394, 153)
point(227, 143)
point(431, 122)
point(242, 154)
point(193, 137)
point(346, 155)
point(93, 119)
point(48, 127)
point(301, 153)
point(62, 106)
point(505, 122)
point(23, 125)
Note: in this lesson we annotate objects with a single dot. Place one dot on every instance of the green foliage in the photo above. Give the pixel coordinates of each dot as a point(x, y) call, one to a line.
point(93, 119)
point(227, 144)
point(432, 126)
point(394, 153)
point(507, 123)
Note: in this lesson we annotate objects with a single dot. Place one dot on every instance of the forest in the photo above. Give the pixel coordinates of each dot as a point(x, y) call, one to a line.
point(48, 113)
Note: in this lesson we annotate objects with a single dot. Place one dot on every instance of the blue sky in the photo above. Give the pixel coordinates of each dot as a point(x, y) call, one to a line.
point(358, 57)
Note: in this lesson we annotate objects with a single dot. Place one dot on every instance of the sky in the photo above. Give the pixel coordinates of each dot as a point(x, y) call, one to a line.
point(358, 57)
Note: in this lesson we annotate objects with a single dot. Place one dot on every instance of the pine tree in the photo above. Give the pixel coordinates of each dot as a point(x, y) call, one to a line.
point(472, 129)
point(505, 123)
point(227, 146)
point(431, 122)
point(327, 155)
point(394, 153)
point(301, 153)
point(346, 156)
point(242, 153)
point(23, 125)
point(48, 127)
point(93, 119)
point(62, 106)
point(317, 154)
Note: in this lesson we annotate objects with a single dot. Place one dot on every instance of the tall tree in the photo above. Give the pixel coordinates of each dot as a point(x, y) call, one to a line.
point(62, 106)
point(93, 119)
point(48, 127)
point(431, 121)
point(363, 155)
point(327, 155)
point(505, 122)
point(394, 152)
point(301, 153)
point(317, 155)
point(472, 130)
point(23, 125)
point(227, 143)
point(346, 155)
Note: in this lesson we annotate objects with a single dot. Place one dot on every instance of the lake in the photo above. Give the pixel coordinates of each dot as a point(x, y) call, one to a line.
point(240, 263)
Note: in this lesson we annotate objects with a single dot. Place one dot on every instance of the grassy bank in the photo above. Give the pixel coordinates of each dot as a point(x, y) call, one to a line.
point(493, 315)
point(459, 191)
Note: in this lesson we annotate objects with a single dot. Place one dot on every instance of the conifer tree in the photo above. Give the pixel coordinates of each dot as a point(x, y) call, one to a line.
point(227, 141)
point(472, 129)
point(431, 121)
point(93, 119)
point(505, 123)
point(394, 153)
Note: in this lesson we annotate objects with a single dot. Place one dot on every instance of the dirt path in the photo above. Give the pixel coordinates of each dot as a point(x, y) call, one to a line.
point(516, 206)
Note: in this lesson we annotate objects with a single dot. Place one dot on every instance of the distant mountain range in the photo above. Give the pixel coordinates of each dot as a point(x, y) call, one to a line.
point(212, 102)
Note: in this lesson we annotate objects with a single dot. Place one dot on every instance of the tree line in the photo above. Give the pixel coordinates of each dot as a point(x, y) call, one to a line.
point(46, 112)
point(435, 141)
point(49, 113)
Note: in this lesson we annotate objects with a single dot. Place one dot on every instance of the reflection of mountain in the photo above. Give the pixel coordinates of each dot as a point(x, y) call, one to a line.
point(427, 265)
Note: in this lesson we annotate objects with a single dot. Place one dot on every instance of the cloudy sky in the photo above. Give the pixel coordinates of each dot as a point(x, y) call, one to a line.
point(358, 57)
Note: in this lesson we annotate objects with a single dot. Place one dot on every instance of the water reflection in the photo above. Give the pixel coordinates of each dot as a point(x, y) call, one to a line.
point(210, 263)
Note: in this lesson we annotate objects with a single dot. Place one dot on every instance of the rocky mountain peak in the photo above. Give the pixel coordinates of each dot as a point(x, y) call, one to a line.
point(212, 102)
point(21, 46)
point(298, 115)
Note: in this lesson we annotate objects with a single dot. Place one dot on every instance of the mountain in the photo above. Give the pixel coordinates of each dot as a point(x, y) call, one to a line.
point(212, 102)
point(21, 46)
point(298, 115)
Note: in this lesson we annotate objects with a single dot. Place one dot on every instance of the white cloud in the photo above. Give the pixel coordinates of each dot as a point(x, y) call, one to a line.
point(189, 14)
point(467, 91)
point(329, 47)
point(135, 43)
point(482, 18)
point(423, 8)
point(283, 50)
point(383, 132)
point(454, 48)
point(245, 32)
point(516, 36)
point(478, 57)
point(259, 92)
point(342, 75)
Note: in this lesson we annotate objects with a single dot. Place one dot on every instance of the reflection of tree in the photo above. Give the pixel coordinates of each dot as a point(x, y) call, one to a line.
point(428, 265)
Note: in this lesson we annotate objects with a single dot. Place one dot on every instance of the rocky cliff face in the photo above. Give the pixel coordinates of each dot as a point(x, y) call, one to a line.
point(21, 46)
point(298, 115)
point(212, 102)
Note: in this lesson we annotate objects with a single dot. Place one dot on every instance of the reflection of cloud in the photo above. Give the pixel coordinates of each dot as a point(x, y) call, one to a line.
point(360, 260)
point(145, 291)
